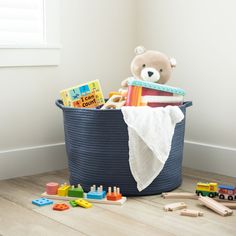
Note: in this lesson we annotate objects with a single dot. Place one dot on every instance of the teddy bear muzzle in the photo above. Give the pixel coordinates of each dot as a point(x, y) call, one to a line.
point(150, 74)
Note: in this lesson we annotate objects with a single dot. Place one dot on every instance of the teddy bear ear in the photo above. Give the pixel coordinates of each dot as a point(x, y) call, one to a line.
point(139, 50)
point(173, 62)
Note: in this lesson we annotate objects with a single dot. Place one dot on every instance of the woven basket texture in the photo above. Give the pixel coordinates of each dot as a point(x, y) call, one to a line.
point(98, 153)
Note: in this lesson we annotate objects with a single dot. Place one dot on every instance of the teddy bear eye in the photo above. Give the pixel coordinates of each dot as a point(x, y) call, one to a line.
point(161, 70)
point(144, 65)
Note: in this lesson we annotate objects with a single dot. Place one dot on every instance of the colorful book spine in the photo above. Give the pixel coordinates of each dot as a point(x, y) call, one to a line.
point(142, 93)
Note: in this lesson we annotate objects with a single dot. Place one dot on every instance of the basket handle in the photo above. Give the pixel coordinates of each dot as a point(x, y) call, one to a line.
point(59, 103)
point(188, 104)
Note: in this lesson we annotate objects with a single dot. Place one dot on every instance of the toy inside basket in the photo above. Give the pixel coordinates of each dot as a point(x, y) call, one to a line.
point(153, 94)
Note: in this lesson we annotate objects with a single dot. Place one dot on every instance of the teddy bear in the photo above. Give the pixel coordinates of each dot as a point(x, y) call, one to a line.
point(151, 66)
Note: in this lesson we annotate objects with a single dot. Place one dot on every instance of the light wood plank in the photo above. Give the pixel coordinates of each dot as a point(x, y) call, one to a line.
point(106, 221)
point(17, 220)
point(138, 216)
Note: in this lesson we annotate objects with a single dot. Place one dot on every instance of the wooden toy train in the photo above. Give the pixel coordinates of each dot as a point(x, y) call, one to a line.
point(224, 192)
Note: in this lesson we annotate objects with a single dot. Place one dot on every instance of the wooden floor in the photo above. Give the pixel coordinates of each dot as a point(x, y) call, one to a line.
point(138, 216)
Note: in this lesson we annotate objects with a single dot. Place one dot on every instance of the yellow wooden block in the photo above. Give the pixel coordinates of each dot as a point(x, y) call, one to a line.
point(63, 190)
point(83, 203)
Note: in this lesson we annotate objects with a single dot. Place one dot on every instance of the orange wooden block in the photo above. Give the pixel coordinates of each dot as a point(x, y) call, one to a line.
point(115, 195)
point(60, 207)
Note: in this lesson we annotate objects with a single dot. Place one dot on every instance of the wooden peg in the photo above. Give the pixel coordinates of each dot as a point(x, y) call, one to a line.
point(94, 188)
point(114, 190)
point(109, 190)
point(101, 188)
point(118, 191)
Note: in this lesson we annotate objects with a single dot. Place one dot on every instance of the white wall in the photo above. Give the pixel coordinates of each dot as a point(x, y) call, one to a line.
point(97, 39)
point(201, 35)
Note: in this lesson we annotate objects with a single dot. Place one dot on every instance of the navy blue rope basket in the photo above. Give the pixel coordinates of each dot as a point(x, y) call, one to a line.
point(98, 153)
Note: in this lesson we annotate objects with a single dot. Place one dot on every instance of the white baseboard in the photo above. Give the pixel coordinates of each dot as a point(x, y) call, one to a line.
point(32, 160)
point(39, 159)
point(210, 158)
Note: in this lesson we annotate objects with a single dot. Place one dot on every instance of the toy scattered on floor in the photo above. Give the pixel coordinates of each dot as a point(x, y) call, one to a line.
point(209, 194)
point(183, 207)
point(52, 188)
point(227, 192)
point(150, 66)
point(192, 213)
point(60, 207)
point(95, 195)
point(42, 202)
point(231, 205)
point(87, 95)
point(115, 102)
point(213, 190)
point(80, 202)
point(179, 195)
point(183, 195)
point(175, 206)
point(73, 203)
point(98, 193)
point(207, 189)
point(215, 206)
point(83, 203)
point(154, 95)
point(115, 195)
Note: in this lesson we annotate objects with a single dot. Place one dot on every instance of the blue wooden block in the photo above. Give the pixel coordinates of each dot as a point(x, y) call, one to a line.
point(96, 195)
point(42, 202)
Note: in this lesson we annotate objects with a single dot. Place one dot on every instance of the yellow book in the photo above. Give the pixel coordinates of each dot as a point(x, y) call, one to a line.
point(87, 95)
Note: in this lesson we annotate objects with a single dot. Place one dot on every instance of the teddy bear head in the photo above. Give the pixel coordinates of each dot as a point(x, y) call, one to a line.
point(152, 66)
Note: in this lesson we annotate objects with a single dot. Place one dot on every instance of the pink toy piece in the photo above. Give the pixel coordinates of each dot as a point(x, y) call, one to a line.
point(51, 188)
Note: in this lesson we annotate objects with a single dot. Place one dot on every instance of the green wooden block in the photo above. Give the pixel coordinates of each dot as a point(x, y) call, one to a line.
point(76, 192)
point(73, 203)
